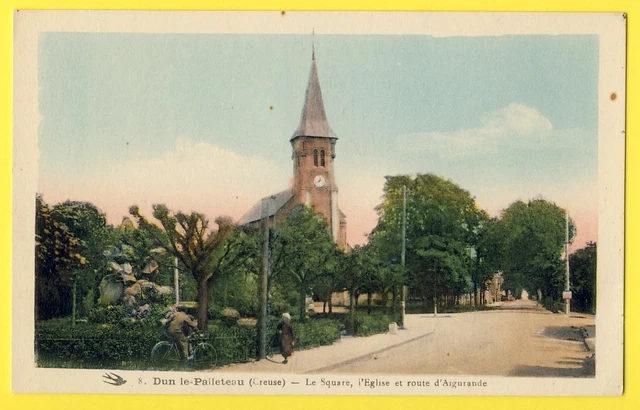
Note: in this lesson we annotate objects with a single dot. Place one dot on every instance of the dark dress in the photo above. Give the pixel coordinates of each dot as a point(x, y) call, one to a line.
point(287, 341)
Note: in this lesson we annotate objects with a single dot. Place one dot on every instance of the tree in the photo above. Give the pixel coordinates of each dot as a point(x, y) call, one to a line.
point(370, 274)
point(442, 221)
point(302, 253)
point(330, 282)
point(352, 271)
point(390, 278)
point(583, 266)
point(201, 250)
point(533, 245)
point(236, 283)
point(488, 257)
point(86, 222)
point(58, 253)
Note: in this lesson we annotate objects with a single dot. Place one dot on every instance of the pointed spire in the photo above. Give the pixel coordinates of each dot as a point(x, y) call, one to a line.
point(313, 120)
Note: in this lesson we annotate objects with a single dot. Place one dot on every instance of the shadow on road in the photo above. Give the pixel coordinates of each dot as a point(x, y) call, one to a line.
point(586, 369)
point(564, 333)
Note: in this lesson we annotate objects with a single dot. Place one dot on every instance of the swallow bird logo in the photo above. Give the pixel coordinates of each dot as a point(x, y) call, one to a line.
point(113, 379)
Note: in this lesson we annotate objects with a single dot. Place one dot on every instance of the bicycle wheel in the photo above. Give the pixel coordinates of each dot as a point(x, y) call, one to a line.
point(205, 356)
point(164, 353)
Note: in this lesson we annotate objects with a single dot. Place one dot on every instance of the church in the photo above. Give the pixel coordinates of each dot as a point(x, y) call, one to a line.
point(313, 153)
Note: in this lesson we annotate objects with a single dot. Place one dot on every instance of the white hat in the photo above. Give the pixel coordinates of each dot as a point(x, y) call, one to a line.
point(286, 315)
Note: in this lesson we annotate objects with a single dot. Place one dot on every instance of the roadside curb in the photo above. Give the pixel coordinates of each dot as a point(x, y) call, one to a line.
point(367, 355)
point(589, 340)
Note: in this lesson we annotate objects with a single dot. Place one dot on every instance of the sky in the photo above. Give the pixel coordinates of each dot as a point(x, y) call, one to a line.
point(202, 122)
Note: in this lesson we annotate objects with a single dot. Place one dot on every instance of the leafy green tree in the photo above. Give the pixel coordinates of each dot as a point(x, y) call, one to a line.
point(442, 222)
point(392, 278)
point(370, 275)
point(352, 271)
point(583, 270)
point(302, 253)
point(488, 258)
point(201, 250)
point(330, 282)
point(86, 222)
point(58, 254)
point(533, 245)
point(235, 285)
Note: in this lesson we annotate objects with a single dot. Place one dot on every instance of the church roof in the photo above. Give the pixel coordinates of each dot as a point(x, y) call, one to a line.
point(313, 120)
point(272, 203)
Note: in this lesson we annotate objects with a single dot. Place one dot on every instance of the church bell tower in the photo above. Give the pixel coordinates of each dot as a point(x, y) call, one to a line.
point(314, 151)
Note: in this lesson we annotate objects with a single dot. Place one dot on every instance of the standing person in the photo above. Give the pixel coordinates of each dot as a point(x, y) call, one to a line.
point(287, 340)
point(179, 326)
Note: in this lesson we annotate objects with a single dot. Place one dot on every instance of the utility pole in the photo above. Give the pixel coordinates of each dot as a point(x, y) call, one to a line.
point(176, 279)
point(74, 295)
point(262, 282)
point(567, 288)
point(404, 250)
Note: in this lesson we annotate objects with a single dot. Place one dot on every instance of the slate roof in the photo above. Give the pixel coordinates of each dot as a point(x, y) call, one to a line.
point(273, 204)
point(313, 120)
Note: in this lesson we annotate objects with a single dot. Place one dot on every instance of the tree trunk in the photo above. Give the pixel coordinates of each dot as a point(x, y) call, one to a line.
point(385, 299)
point(352, 305)
point(369, 303)
point(394, 300)
point(330, 306)
point(74, 296)
point(203, 303)
point(476, 302)
point(324, 307)
point(303, 308)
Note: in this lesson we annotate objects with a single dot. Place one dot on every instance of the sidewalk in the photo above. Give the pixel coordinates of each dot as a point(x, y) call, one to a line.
point(345, 351)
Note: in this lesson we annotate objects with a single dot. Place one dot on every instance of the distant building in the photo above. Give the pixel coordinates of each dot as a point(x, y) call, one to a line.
point(494, 292)
point(313, 151)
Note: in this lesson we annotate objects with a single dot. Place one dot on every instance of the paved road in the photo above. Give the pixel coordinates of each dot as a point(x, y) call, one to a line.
point(519, 339)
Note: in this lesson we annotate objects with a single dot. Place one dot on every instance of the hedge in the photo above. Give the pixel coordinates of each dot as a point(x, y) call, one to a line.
point(87, 345)
point(127, 345)
point(367, 325)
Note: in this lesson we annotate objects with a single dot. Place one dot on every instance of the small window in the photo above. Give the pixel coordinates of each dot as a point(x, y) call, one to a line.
point(322, 158)
point(315, 157)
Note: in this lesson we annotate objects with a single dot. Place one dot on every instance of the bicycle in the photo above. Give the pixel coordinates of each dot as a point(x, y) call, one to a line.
point(202, 354)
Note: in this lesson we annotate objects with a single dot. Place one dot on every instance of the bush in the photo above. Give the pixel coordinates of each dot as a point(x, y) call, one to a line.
point(366, 325)
point(127, 343)
point(108, 314)
point(230, 316)
point(316, 332)
point(86, 345)
point(234, 344)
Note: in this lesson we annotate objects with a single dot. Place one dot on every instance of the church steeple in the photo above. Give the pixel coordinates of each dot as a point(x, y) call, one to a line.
point(313, 120)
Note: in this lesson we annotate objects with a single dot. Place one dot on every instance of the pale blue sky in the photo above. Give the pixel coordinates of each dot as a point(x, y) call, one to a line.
point(132, 118)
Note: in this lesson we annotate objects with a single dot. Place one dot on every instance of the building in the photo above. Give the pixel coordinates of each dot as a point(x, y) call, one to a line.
point(313, 147)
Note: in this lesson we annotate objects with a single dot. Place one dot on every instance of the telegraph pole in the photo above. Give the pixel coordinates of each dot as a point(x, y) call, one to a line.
point(404, 250)
point(567, 288)
point(262, 282)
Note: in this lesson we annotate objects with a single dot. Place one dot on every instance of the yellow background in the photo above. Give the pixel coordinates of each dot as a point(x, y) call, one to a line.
point(630, 399)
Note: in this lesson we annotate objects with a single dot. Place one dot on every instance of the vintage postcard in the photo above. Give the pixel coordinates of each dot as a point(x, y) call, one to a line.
point(289, 203)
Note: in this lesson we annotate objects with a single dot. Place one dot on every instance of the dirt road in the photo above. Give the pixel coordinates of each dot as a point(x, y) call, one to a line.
point(520, 339)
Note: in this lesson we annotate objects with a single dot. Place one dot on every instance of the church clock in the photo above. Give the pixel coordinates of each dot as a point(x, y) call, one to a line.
point(319, 181)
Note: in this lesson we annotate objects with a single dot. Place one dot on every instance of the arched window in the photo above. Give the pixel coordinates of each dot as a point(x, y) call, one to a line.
point(322, 158)
point(315, 157)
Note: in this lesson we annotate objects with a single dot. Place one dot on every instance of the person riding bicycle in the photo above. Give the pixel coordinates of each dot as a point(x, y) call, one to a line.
point(179, 326)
